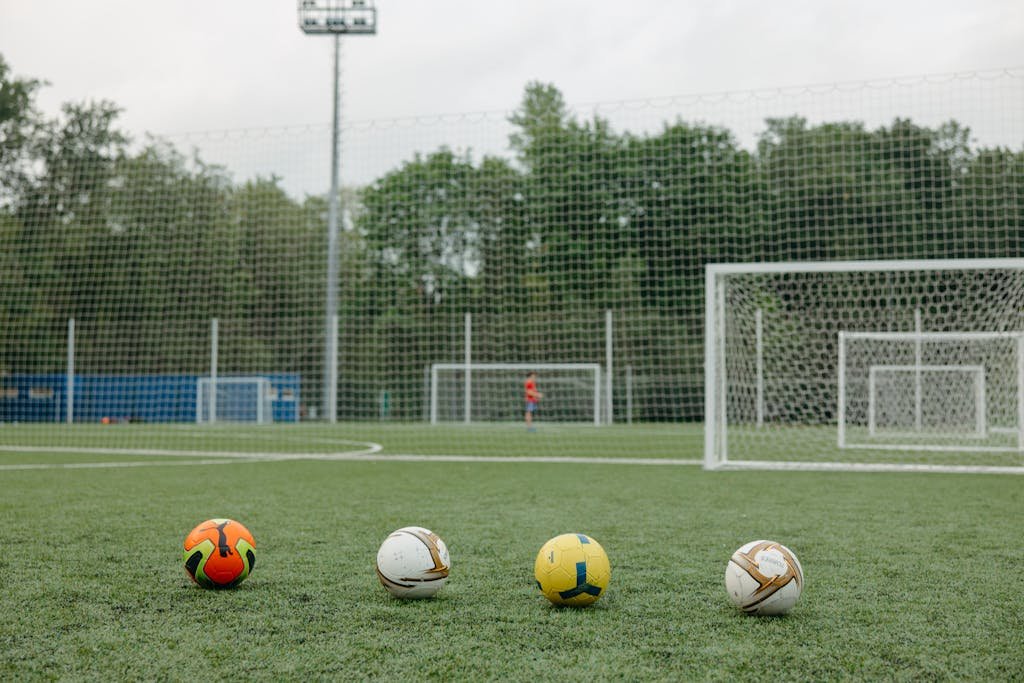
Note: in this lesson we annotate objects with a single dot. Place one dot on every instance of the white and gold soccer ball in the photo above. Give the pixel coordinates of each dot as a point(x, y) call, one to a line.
point(764, 578)
point(413, 563)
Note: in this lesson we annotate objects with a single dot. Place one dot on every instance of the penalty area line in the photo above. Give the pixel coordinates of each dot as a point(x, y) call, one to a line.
point(114, 464)
point(366, 447)
point(535, 459)
point(205, 457)
point(221, 459)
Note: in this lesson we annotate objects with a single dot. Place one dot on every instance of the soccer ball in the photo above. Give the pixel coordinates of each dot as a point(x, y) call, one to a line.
point(413, 563)
point(764, 578)
point(572, 569)
point(219, 553)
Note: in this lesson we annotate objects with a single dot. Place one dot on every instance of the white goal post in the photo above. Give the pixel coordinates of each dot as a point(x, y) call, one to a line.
point(234, 399)
point(798, 351)
point(476, 387)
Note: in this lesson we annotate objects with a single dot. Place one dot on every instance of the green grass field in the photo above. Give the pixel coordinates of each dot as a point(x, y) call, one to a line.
point(908, 576)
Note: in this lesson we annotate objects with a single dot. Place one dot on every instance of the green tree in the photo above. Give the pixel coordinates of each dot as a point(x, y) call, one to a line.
point(20, 122)
point(434, 229)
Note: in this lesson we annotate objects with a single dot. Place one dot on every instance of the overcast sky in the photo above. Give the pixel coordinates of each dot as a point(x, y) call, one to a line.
point(197, 65)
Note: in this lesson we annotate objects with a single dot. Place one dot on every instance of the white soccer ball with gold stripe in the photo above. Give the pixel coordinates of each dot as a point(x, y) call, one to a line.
point(764, 578)
point(413, 563)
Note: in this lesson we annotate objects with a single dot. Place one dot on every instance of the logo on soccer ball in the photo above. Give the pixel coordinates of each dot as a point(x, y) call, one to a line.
point(413, 563)
point(572, 569)
point(219, 553)
point(764, 577)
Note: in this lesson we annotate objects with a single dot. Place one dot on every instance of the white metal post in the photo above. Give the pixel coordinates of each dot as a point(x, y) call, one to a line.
point(597, 396)
point(261, 392)
point(710, 374)
point(723, 379)
point(1020, 392)
point(608, 353)
point(759, 360)
point(629, 394)
point(467, 399)
point(331, 404)
point(872, 387)
point(426, 393)
point(918, 417)
point(980, 413)
point(433, 395)
point(69, 398)
point(214, 334)
point(841, 388)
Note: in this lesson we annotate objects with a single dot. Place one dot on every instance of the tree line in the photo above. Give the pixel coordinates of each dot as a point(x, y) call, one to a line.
point(143, 245)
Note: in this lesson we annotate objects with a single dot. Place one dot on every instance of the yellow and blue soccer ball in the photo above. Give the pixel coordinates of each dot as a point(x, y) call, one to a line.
point(573, 570)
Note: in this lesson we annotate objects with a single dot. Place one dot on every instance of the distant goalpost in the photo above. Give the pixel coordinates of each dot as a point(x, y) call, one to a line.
point(493, 392)
point(234, 399)
point(882, 409)
point(827, 365)
point(976, 405)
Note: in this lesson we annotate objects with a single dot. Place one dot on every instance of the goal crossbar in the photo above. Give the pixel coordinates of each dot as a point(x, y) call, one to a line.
point(931, 336)
point(876, 266)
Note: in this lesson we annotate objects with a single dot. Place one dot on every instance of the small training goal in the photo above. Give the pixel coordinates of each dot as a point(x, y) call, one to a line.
point(494, 392)
point(234, 399)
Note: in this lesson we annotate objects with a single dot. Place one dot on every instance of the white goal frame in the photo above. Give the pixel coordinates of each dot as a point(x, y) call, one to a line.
point(981, 427)
point(468, 369)
point(716, 388)
point(263, 409)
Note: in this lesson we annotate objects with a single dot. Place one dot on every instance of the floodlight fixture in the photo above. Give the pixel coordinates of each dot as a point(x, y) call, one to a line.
point(357, 17)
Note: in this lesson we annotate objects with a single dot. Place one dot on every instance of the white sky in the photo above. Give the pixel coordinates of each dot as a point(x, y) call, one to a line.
point(212, 65)
point(190, 65)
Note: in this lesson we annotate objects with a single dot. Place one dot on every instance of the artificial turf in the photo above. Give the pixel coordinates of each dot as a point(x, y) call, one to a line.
point(908, 576)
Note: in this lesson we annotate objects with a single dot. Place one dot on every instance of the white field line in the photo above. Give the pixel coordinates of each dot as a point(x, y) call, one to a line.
point(208, 457)
point(869, 467)
point(366, 447)
point(122, 463)
point(542, 459)
point(370, 454)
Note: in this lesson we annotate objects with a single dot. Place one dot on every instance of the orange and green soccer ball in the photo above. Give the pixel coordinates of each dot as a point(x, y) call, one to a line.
point(219, 553)
point(572, 569)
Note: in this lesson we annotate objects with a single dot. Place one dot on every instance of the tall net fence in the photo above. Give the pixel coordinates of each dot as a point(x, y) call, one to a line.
point(536, 221)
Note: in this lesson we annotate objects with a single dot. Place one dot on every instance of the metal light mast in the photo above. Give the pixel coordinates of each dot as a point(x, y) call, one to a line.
point(335, 18)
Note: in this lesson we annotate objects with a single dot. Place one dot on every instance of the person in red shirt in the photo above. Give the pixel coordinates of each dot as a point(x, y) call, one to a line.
point(532, 397)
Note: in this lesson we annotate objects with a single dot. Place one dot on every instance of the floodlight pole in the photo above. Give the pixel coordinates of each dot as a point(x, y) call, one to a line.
point(330, 391)
point(334, 17)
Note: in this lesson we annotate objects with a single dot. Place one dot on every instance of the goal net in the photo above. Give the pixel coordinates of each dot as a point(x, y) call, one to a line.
point(494, 392)
point(883, 364)
point(234, 399)
point(131, 265)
